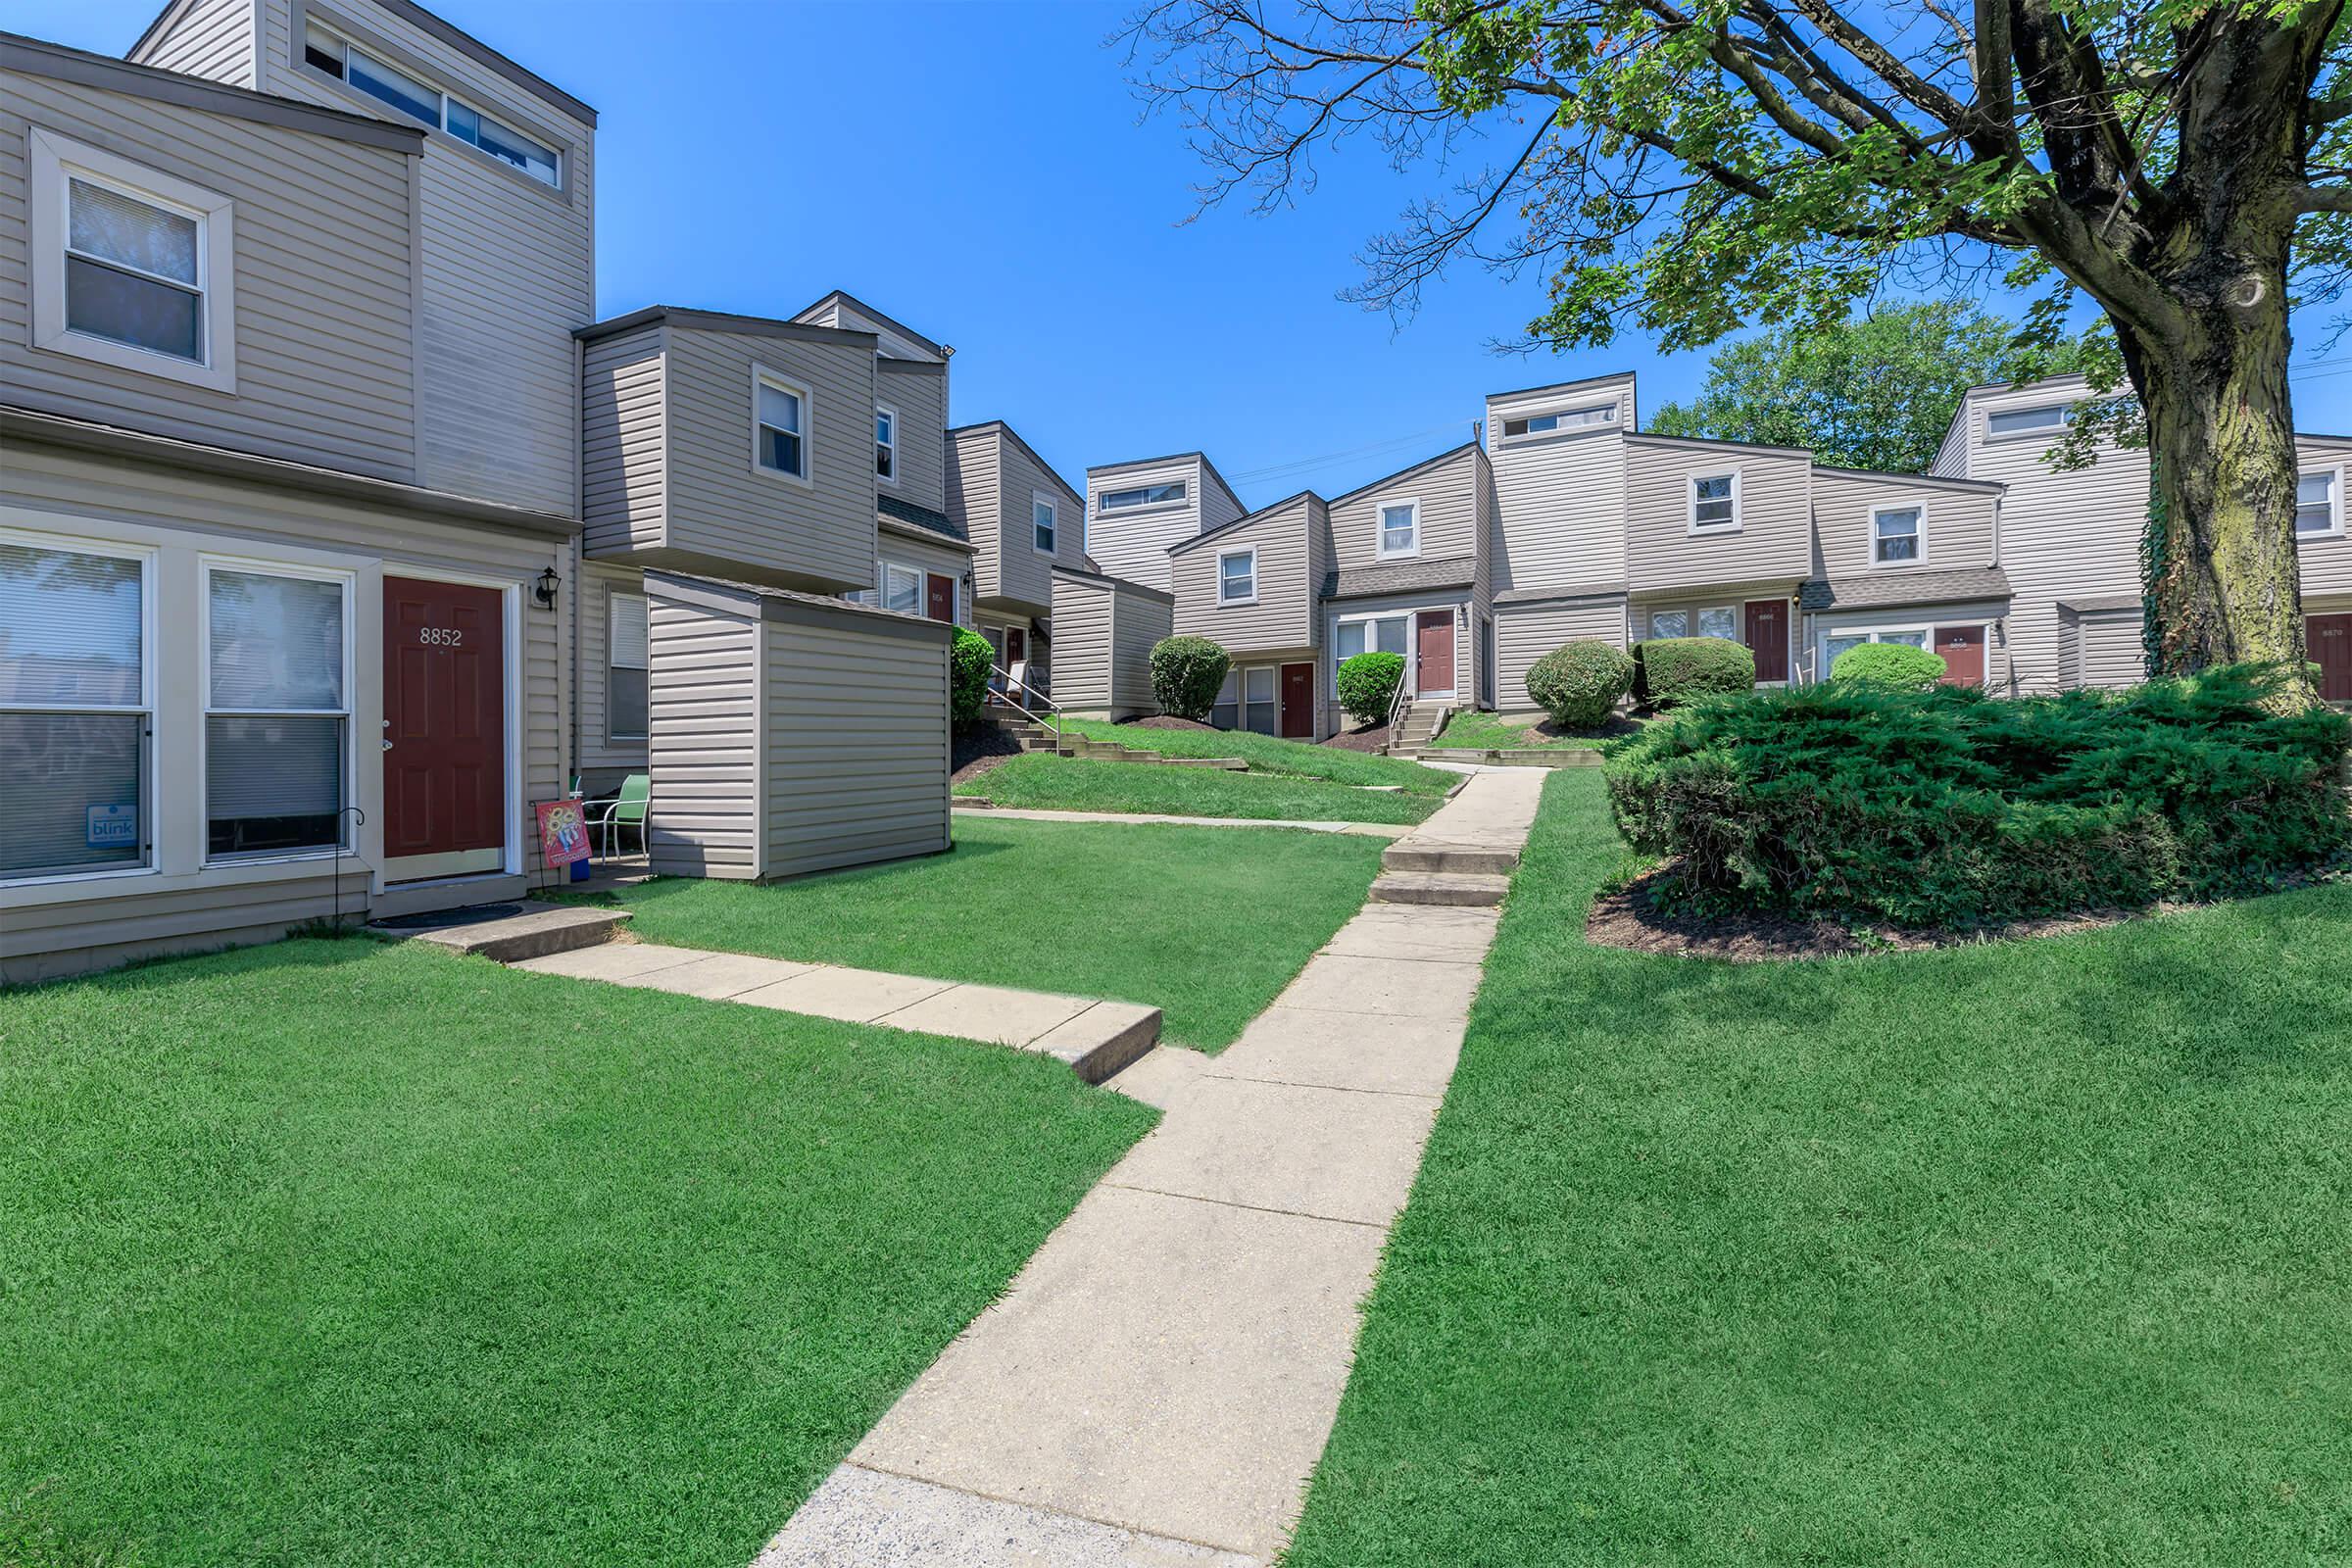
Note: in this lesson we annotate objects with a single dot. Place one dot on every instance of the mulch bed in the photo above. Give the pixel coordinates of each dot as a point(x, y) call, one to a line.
point(1616, 728)
point(1631, 919)
point(1371, 738)
point(979, 750)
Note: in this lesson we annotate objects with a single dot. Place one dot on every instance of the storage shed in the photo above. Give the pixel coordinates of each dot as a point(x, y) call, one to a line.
point(791, 732)
point(1105, 629)
point(2099, 642)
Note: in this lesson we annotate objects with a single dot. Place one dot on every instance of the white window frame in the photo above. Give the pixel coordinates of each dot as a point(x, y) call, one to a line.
point(2038, 432)
point(1920, 534)
point(1690, 484)
point(1037, 499)
point(207, 563)
point(1412, 638)
point(882, 410)
point(56, 162)
point(1379, 528)
point(612, 600)
point(151, 847)
point(763, 375)
point(1243, 702)
point(2335, 499)
point(1103, 502)
point(922, 587)
point(1224, 600)
point(1589, 417)
point(1692, 614)
point(307, 23)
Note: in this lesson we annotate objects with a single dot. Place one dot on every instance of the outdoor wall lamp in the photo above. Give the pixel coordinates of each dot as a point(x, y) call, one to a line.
point(545, 592)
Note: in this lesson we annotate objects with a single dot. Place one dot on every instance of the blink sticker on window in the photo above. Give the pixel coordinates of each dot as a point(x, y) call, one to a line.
point(113, 827)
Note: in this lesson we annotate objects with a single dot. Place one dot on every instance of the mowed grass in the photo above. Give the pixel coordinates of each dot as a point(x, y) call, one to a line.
point(1042, 781)
point(332, 1253)
point(2031, 1254)
point(1205, 924)
point(1267, 755)
point(1475, 730)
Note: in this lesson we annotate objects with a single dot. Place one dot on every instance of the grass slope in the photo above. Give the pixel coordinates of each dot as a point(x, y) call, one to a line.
point(1481, 732)
point(1267, 755)
point(329, 1252)
point(2016, 1254)
point(1205, 924)
point(1042, 781)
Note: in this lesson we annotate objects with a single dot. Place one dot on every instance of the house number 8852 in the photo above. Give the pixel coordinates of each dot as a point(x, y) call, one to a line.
point(440, 636)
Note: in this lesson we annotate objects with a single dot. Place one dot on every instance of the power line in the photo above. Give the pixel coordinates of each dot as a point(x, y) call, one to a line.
point(1327, 459)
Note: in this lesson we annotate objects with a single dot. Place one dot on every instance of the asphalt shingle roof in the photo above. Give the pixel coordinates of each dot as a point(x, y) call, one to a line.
point(1884, 590)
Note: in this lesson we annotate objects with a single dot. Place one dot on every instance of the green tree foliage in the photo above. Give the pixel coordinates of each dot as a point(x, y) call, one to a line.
point(1368, 684)
point(1186, 672)
point(1580, 684)
point(1873, 392)
point(1669, 671)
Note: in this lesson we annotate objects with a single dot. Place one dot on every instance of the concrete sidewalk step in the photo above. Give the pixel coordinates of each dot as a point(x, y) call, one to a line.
point(536, 930)
point(1469, 889)
point(1510, 757)
point(1416, 854)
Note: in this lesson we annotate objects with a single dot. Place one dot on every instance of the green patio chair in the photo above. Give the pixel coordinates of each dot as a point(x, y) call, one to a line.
point(625, 810)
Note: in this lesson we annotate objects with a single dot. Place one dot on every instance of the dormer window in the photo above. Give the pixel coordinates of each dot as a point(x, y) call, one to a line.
point(130, 266)
point(1597, 416)
point(1715, 503)
point(1148, 495)
point(1898, 536)
point(886, 444)
point(780, 434)
point(387, 83)
point(1399, 528)
point(2012, 423)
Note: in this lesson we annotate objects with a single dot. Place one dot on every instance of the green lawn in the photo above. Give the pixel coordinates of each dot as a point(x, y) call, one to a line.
point(1481, 732)
point(1205, 924)
point(2031, 1254)
point(1042, 781)
point(331, 1252)
point(1267, 755)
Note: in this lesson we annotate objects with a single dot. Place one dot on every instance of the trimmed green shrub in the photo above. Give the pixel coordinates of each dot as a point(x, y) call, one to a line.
point(1948, 807)
point(1669, 671)
point(1368, 684)
point(1186, 672)
point(1581, 683)
point(1896, 664)
point(969, 659)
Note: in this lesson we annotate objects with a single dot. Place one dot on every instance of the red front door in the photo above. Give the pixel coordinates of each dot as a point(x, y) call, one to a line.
point(1297, 702)
point(1768, 638)
point(2328, 639)
point(940, 603)
point(445, 719)
point(1435, 632)
point(1962, 649)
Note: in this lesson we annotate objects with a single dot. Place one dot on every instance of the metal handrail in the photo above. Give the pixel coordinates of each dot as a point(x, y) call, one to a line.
point(1052, 718)
point(1398, 703)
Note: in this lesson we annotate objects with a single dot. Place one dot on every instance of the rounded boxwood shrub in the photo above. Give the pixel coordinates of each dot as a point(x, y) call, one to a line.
point(969, 659)
point(1368, 684)
point(1946, 806)
point(1186, 672)
point(1580, 683)
point(1895, 664)
point(1671, 670)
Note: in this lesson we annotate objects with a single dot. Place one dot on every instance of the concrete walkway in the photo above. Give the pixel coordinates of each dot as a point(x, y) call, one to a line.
point(1370, 830)
point(1095, 1037)
point(1156, 1386)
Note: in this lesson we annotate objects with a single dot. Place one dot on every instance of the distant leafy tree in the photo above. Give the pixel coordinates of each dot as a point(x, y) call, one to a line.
point(1875, 392)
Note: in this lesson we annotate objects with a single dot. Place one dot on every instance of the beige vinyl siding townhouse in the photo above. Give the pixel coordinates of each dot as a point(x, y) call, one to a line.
point(1410, 577)
point(1137, 511)
point(1251, 586)
point(1907, 557)
point(1026, 525)
point(1105, 629)
point(2323, 548)
point(1719, 536)
point(239, 619)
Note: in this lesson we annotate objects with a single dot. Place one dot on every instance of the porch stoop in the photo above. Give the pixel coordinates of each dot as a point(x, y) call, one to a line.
point(533, 931)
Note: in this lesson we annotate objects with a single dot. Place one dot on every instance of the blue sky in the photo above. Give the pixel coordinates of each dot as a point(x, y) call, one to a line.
point(978, 170)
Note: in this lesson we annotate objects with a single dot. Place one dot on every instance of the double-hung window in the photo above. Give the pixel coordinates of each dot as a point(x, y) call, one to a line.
point(1146, 495)
point(1898, 536)
point(1041, 518)
point(1237, 577)
point(780, 425)
point(901, 588)
point(2319, 504)
point(130, 266)
point(1399, 528)
point(277, 710)
point(422, 100)
point(628, 708)
point(76, 709)
point(886, 444)
point(1715, 502)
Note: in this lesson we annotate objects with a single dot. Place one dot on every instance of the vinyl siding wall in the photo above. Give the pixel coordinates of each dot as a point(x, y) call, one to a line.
point(326, 316)
point(856, 744)
point(506, 266)
point(1140, 622)
point(209, 38)
point(1559, 499)
point(1774, 542)
point(919, 394)
point(1526, 633)
point(1283, 618)
point(1028, 576)
point(704, 708)
point(975, 499)
point(944, 559)
point(1450, 512)
point(2101, 648)
point(182, 903)
point(624, 459)
point(598, 753)
point(1134, 543)
point(1465, 640)
point(1103, 633)
point(2326, 564)
point(1957, 525)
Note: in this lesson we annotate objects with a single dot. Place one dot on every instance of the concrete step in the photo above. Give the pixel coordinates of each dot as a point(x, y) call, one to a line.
point(533, 931)
point(1461, 890)
point(1408, 855)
